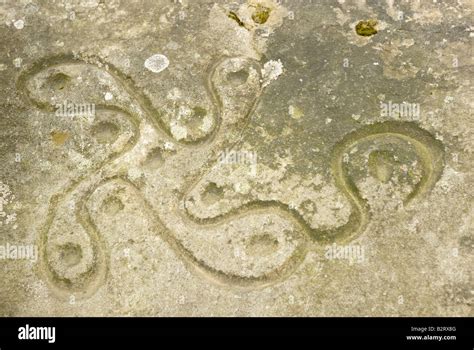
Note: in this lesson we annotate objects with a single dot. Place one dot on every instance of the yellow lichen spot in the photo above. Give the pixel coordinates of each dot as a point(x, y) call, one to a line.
point(261, 14)
point(59, 137)
point(366, 28)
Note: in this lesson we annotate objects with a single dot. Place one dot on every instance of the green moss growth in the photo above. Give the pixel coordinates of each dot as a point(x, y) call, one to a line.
point(261, 14)
point(366, 28)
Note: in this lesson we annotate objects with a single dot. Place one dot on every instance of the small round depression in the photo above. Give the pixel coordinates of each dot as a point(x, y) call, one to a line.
point(105, 132)
point(58, 81)
point(70, 253)
point(238, 78)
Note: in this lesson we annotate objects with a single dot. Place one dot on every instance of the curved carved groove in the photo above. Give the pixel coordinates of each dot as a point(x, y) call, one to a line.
point(80, 189)
point(429, 150)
